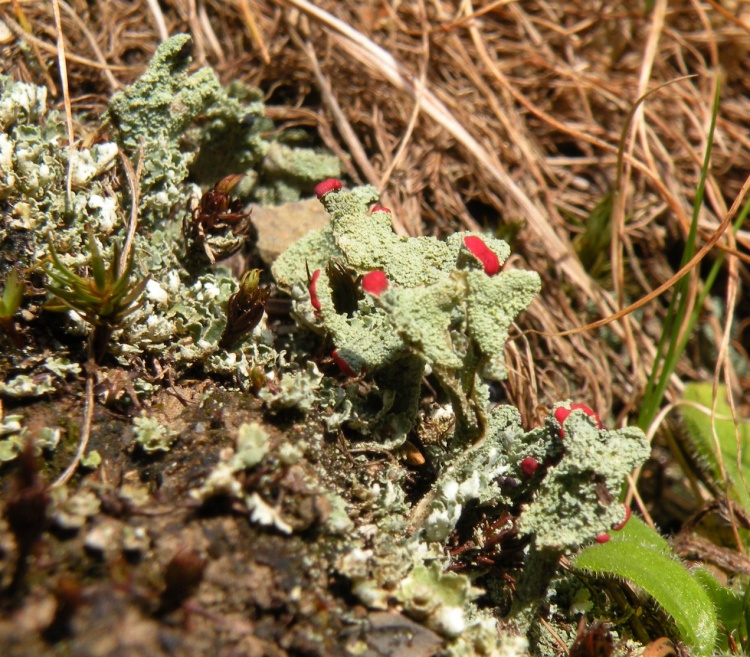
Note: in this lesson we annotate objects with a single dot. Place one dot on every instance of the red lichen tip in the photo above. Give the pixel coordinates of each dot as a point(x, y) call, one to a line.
point(602, 538)
point(375, 282)
point(380, 208)
point(311, 288)
point(329, 185)
point(529, 466)
point(620, 525)
point(483, 253)
point(345, 368)
point(561, 414)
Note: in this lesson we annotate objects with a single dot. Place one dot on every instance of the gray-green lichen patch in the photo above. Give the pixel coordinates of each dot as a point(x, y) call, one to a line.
point(151, 434)
point(440, 308)
point(154, 112)
point(285, 170)
point(165, 98)
point(392, 568)
point(173, 125)
point(45, 375)
point(254, 452)
point(71, 511)
point(577, 483)
point(252, 446)
point(33, 166)
point(580, 491)
point(438, 599)
point(296, 389)
point(472, 475)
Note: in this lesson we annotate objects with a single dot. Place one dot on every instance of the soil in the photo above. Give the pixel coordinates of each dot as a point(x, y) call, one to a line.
point(102, 588)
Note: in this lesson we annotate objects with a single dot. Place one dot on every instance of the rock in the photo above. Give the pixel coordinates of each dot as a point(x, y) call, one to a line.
point(279, 226)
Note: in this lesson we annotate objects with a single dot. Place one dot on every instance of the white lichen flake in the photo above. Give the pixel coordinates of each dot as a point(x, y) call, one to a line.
point(151, 434)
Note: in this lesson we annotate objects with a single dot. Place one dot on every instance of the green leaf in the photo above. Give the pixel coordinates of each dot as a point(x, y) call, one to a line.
point(98, 268)
point(730, 607)
point(699, 426)
point(639, 555)
point(12, 295)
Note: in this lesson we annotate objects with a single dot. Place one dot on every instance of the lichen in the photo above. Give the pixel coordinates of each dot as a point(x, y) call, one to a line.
point(435, 307)
point(151, 434)
point(176, 128)
point(437, 598)
point(252, 446)
point(473, 475)
point(442, 307)
point(296, 389)
point(11, 437)
point(71, 511)
point(573, 490)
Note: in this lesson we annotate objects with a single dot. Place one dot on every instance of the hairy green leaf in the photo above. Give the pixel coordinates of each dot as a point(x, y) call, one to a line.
point(641, 556)
point(701, 433)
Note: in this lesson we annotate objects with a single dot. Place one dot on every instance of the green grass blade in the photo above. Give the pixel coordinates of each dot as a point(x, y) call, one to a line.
point(639, 555)
point(12, 295)
point(710, 279)
point(98, 268)
point(669, 349)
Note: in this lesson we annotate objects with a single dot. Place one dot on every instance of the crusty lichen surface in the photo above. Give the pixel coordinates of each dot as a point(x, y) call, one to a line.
point(442, 312)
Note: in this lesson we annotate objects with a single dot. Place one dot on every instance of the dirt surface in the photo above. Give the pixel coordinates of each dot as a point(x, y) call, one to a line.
point(101, 588)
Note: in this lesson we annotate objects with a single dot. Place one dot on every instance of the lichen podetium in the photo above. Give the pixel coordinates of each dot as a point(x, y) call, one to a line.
point(423, 303)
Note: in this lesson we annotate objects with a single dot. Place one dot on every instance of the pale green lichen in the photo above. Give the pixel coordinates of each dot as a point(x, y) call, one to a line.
point(285, 170)
point(388, 565)
point(25, 386)
point(45, 376)
point(473, 475)
point(15, 438)
point(12, 437)
point(579, 487)
point(177, 125)
point(71, 511)
point(91, 460)
point(151, 434)
point(297, 389)
point(33, 166)
point(165, 97)
point(440, 309)
point(252, 449)
point(154, 112)
point(252, 446)
point(571, 492)
point(437, 599)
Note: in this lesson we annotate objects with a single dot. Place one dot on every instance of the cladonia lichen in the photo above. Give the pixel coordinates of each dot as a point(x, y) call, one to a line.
point(177, 129)
point(391, 309)
point(394, 306)
point(152, 435)
point(394, 309)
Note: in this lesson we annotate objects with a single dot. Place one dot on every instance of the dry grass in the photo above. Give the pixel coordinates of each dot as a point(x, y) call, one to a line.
point(506, 116)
